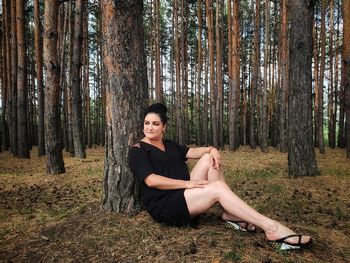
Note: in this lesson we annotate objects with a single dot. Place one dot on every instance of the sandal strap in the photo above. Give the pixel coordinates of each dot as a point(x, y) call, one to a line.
point(282, 240)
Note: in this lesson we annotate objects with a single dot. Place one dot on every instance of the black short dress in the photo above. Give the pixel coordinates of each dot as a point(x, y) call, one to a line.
point(165, 206)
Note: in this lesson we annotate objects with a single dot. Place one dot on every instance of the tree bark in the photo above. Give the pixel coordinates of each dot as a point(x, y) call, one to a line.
point(235, 85)
point(6, 81)
point(199, 126)
point(301, 153)
point(263, 120)
point(213, 91)
point(346, 72)
point(255, 74)
point(39, 74)
point(219, 78)
point(321, 82)
point(13, 102)
point(126, 93)
point(331, 101)
point(77, 120)
point(284, 78)
point(22, 90)
point(55, 164)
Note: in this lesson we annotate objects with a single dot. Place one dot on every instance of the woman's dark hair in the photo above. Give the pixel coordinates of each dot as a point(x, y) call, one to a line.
point(159, 109)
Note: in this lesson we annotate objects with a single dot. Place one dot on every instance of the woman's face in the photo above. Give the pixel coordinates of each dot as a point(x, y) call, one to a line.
point(153, 127)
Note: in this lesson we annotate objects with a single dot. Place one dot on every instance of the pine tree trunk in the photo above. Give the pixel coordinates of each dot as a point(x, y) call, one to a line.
point(301, 153)
point(219, 78)
point(126, 91)
point(199, 126)
point(179, 128)
point(159, 88)
point(321, 83)
point(39, 74)
point(22, 90)
point(331, 106)
point(284, 78)
point(255, 74)
point(77, 120)
point(235, 67)
point(346, 72)
point(316, 77)
point(263, 119)
point(6, 83)
point(206, 129)
point(13, 133)
point(213, 91)
point(55, 164)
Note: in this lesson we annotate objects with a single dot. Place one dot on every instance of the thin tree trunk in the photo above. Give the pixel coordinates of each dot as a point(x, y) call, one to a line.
point(39, 74)
point(263, 120)
point(6, 83)
point(55, 164)
point(219, 104)
point(179, 129)
point(316, 77)
point(301, 153)
point(77, 120)
point(235, 67)
point(321, 83)
point(13, 133)
point(346, 72)
point(22, 90)
point(255, 74)
point(126, 91)
point(284, 78)
point(199, 126)
point(213, 91)
point(331, 102)
point(159, 88)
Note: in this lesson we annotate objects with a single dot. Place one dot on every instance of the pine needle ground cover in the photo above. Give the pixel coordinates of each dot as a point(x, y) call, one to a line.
point(58, 218)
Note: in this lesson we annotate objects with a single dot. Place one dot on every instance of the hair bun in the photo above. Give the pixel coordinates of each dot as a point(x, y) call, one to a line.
point(157, 107)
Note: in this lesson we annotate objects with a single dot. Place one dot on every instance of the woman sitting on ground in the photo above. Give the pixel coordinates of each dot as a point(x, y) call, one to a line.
point(176, 197)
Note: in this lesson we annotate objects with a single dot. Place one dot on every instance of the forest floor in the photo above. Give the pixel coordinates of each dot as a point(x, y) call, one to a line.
point(58, 218)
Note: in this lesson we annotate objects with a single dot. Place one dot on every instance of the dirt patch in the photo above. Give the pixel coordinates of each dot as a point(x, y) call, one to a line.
point(59, 219)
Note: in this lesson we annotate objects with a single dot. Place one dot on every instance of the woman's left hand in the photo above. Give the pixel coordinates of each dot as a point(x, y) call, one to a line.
point(215, 158)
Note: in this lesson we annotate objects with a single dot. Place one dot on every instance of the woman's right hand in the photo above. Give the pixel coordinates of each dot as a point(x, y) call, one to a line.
point(196, 184)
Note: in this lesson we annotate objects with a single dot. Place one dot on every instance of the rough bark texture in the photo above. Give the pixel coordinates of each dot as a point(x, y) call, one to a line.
point(284, 78)
point(263, 129)
point(346, 72)
point(213, 91)
point(53, 144)
point(126, 99)
point(199, 127)
point(179, 129)
point(5, 73)
point(39, 75)
point(22, 96)
point(321, 83)
point(77, 120)
point(13, 101)
point(301, 154)
point(235, 81)
point(331, 101)
point(219, 73)
point(255, 75)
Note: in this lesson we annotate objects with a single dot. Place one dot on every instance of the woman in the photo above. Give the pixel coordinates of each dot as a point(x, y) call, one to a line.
point(174, 196)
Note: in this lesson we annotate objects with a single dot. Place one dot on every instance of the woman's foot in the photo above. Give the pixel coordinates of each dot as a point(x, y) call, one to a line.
point(279, 233)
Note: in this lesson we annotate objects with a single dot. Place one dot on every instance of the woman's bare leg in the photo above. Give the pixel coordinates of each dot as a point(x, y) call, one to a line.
point(203, 170)
point(200, 200)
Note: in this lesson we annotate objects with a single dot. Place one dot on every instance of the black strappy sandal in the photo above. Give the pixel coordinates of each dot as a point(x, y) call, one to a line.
point(282, 244)
point(236, 225)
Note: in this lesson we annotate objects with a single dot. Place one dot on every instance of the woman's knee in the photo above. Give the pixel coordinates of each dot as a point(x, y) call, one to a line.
point(217, 188)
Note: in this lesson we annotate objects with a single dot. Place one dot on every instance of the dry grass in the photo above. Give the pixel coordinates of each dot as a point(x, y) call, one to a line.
point(58, 218)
